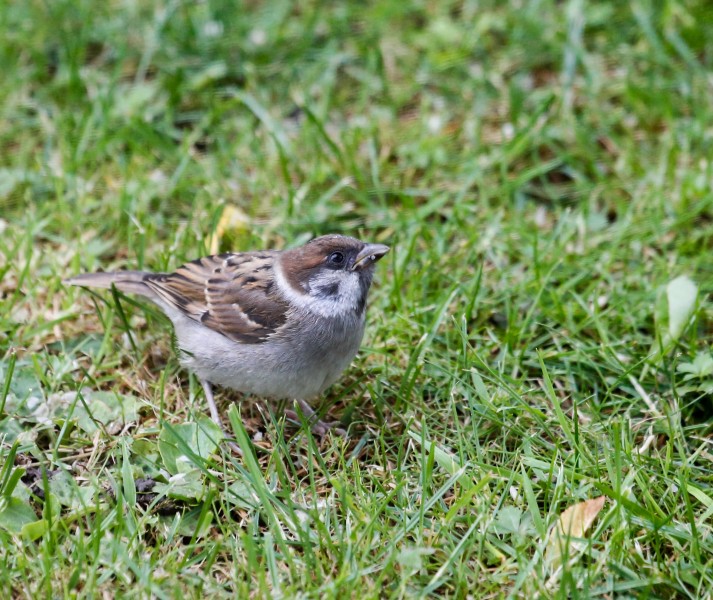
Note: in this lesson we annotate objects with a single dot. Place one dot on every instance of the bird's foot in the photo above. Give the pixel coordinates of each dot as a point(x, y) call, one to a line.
point(308, 416)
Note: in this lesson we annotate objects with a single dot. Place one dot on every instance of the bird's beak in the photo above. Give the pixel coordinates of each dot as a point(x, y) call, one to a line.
point(369, 254)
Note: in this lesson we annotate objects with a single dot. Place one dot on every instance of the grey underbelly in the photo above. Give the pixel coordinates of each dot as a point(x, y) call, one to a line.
point(279, 369)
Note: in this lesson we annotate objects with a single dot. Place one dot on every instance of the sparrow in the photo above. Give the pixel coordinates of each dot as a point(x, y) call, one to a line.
point(274, 324)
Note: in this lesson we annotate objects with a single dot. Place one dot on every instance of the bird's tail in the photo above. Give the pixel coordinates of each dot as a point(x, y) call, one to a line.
point(132, 282)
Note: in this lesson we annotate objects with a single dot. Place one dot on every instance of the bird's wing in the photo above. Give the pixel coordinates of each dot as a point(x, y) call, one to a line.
point(233, 294)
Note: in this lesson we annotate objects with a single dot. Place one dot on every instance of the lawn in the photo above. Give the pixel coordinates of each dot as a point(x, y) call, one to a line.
point(531, 411)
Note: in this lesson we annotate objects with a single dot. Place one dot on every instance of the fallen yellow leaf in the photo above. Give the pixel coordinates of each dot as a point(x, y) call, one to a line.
point(565, 537)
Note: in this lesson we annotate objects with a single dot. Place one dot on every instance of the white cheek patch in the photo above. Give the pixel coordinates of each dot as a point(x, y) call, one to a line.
point(338, 287)
point(330, 294)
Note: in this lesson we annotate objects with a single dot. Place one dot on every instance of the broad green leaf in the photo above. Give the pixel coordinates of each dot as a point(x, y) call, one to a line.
point(10, 430)
point(35, 530)
point(24, 382)
point(700, 368)
point(145, 459)
point(242, 495)
point(69, 493)
point(186, 486)
point(109, 409)
point(410, 558)
point(15, 514)
point(201, 438)
point(106, 408)
point(140, 99)
point(190, 523)
point(512, 520)
point(22, 492)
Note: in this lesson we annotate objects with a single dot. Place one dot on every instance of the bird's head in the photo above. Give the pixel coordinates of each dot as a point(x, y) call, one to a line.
point(332, 272)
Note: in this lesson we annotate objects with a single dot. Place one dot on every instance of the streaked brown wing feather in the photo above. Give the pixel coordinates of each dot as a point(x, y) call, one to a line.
point(233, 294)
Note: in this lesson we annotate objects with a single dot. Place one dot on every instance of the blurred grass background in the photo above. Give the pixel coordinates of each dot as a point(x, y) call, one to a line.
point(542, 169)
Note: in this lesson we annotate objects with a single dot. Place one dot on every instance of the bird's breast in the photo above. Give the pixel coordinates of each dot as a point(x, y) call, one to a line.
point(299, 361)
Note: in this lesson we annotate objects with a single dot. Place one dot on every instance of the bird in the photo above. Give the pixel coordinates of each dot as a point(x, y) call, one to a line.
point(280, 324)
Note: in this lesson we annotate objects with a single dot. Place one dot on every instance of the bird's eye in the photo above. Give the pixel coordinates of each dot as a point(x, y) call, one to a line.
point(336, 258)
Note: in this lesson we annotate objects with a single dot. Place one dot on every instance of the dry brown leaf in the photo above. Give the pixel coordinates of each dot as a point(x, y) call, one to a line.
point(566, 536)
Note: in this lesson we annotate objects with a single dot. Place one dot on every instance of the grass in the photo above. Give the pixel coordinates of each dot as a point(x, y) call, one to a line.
point(542, 171)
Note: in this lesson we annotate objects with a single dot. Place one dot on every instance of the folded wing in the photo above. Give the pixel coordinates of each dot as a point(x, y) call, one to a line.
point(233, 294)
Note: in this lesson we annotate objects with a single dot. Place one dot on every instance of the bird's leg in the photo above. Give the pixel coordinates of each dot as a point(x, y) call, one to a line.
point(208, 391)
point(318, 427)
